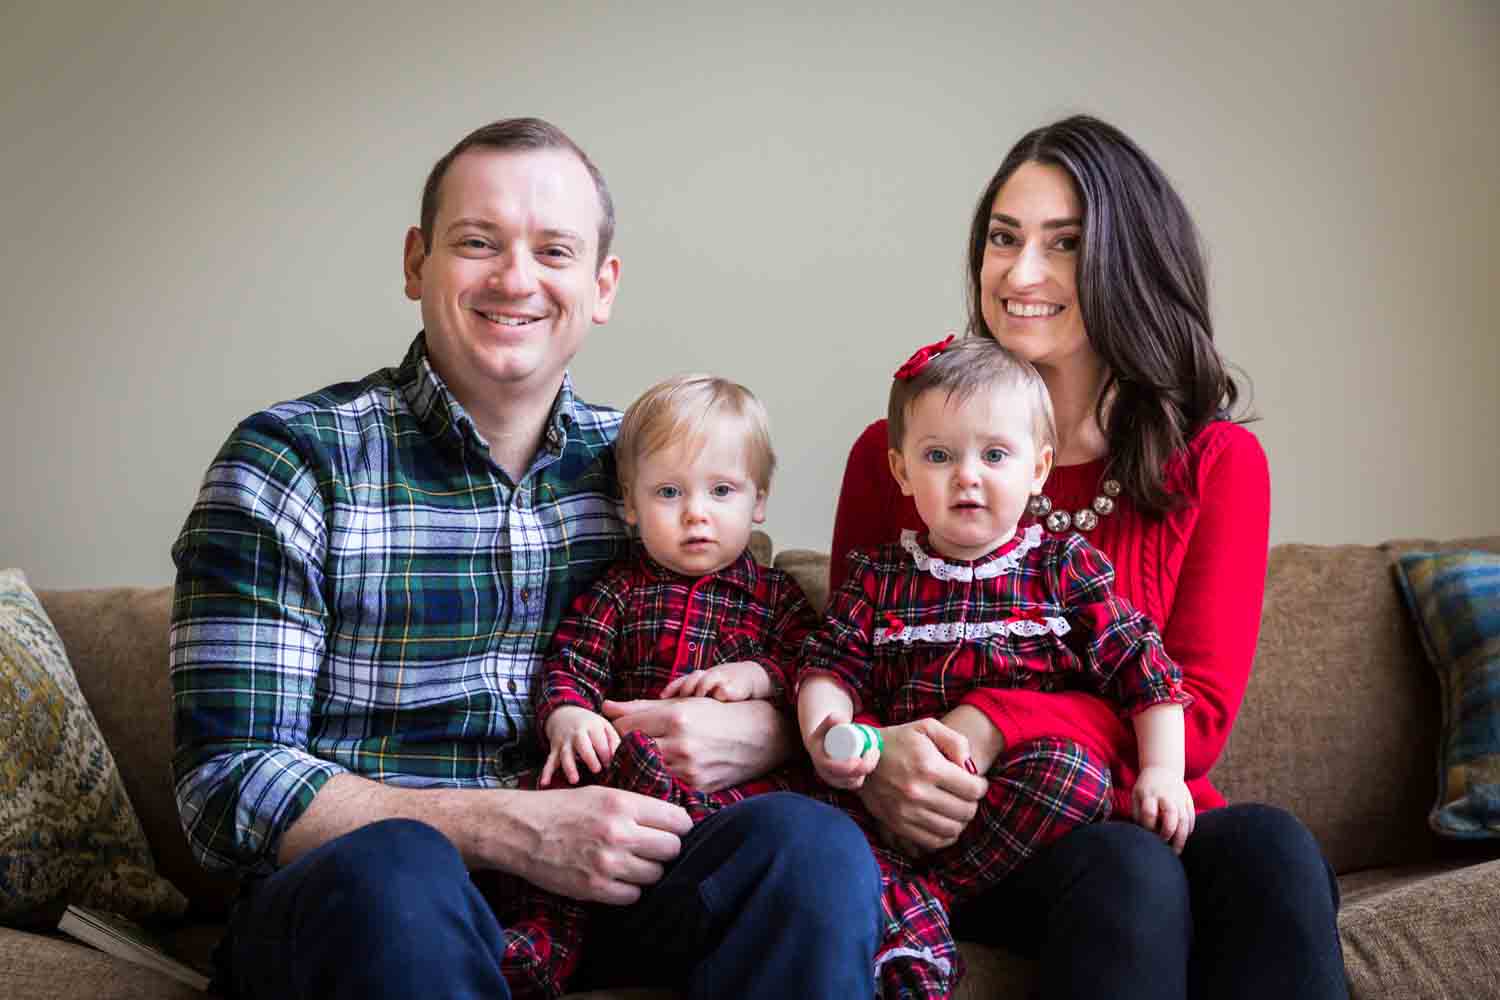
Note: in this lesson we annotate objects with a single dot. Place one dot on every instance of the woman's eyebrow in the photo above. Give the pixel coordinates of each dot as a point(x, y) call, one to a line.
point(1012, 221)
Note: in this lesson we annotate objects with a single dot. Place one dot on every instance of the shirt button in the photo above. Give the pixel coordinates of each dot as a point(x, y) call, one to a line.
point(692, 645)
point(526, 595)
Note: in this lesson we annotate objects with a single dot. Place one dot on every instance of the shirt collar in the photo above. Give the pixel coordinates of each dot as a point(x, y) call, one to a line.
point(1004, 559)
point(744, 572)
point(444, 418)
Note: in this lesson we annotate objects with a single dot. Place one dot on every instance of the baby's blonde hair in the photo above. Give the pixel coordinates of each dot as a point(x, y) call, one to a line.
point(680, 409)
point(965, 368)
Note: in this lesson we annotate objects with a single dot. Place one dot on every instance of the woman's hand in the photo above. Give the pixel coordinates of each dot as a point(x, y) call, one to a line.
point(709, 744)
point(920, 792)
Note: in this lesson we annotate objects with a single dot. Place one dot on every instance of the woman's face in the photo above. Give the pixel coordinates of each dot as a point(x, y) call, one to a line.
point(1028, 281)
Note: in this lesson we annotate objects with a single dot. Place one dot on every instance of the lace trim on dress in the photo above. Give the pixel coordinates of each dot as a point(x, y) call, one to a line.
point(1030, 539)
point(950, 632)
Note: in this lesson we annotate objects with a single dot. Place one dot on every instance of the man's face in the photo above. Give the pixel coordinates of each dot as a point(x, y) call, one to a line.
point(512, 282)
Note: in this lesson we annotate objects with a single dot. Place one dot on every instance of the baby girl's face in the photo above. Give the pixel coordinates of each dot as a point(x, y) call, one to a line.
point(695, 502)
point(971, 466)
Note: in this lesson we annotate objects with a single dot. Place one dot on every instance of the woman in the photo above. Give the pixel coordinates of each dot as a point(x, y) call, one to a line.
point(1084, 261)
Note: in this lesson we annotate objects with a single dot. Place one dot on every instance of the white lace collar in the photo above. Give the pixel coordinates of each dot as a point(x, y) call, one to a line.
point(941, 570)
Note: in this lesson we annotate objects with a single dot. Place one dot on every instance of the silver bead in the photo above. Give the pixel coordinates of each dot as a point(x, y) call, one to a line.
point(1103, 506)
point(1039, 505)
point(1085, 520)
point(1059, 521)
point(1110, 487)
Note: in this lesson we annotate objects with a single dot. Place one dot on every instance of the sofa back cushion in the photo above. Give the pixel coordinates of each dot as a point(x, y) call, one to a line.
point(1340, 722)
point(117, 642)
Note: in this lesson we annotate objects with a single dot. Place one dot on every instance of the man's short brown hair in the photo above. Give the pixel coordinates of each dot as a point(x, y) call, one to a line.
point(516, 135)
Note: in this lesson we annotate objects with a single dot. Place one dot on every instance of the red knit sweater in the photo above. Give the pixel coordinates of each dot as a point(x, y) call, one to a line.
point(1199, 573)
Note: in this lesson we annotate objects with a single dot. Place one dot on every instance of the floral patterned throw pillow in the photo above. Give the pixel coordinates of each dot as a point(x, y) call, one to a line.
point(68, 833)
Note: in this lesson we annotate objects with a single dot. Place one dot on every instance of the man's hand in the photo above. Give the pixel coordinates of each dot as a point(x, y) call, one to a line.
point(708, 744)
point(596, 844)
point(921, 792)
point(577, 734)
point(740, 681)
point(1161, 803)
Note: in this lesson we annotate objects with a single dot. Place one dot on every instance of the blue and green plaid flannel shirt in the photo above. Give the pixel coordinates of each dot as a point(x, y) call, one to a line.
point(360, 588)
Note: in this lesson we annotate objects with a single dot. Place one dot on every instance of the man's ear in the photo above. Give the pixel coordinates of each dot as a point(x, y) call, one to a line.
point(1043, 468)
point(413, 256)
point(758, 512)
point(607, 282)
point(898, 469)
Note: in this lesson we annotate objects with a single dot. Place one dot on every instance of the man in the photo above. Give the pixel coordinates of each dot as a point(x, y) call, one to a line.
point(365, 587)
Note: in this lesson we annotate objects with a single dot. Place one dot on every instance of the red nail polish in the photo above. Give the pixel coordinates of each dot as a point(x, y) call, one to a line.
point(969, 765)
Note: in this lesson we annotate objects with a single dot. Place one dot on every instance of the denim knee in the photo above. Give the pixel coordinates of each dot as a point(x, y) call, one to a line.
point(1265, 847)
point(1130, 871)
point(812, 856)
point(392, 872)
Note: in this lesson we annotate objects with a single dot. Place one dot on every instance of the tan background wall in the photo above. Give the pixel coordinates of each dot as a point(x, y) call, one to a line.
point(203, 207)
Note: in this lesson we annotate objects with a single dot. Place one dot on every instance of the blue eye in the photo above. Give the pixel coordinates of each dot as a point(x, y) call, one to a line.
point(722, 490)
point(935, 455)
point(668, 492)
point(994, 455)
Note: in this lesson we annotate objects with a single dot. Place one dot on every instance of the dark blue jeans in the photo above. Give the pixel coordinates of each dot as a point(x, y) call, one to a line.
point(775, 896)
point(1249, 910)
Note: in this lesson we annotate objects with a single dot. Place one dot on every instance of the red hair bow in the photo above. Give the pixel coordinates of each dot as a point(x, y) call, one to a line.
point(914, 364)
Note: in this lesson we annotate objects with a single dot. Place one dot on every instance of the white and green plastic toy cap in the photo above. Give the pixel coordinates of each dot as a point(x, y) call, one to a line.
point(850, 740)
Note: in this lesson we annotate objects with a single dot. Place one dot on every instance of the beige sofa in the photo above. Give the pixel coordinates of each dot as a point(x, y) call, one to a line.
point(1340, 726)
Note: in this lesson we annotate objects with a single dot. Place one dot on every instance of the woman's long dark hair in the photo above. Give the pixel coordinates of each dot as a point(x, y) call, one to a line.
point(1143, 292)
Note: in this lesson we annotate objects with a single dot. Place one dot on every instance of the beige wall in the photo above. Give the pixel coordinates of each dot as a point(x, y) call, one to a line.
point(203, 208)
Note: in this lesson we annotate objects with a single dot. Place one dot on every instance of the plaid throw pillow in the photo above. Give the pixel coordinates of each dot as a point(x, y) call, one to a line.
point(1455, 599)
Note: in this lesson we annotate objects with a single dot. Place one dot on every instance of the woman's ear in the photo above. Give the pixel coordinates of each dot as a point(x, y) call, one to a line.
point(898, 469)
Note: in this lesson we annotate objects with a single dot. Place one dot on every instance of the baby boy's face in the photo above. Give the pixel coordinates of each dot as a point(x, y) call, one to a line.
point(695, 502)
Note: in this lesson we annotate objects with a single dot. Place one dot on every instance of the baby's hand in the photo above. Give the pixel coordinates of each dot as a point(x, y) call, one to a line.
point(1161, 803)
point(848, 774)
point(744, 680)
point(577, 734)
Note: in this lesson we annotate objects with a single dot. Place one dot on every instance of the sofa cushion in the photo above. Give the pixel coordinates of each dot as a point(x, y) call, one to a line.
point(116, 638)
point(34, 967)
point(68, 833)
point(1423, 931)
point(1455, 599)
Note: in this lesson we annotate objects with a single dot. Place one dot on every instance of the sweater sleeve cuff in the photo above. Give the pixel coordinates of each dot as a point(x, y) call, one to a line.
point(1000, 715)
